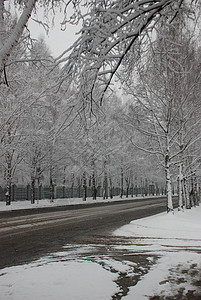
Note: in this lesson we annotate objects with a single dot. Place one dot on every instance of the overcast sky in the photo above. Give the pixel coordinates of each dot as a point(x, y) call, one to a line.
point(57, 40)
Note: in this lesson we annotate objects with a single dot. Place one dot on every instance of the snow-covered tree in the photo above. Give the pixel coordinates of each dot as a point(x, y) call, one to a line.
point(165, 102)
point(15, 99)
point(110, 31)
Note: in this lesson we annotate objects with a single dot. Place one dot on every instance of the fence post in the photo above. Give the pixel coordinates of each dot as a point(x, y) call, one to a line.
point(28, 192)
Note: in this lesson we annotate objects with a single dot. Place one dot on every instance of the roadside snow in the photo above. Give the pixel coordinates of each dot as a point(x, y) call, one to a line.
point(179, 225)
point(175, 239)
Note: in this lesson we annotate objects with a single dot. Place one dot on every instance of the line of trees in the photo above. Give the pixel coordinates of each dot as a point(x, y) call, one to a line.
point(47, 138)
point(165, 106)
point(52, 127)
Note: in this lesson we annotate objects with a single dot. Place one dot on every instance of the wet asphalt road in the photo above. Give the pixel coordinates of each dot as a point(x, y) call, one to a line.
point(26, 235)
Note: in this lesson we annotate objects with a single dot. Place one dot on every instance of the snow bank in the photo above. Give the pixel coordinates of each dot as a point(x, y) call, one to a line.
point(177, 240)
point(181, 225)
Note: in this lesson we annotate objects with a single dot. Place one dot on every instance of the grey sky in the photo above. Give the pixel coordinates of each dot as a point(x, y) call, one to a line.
point(57, 40)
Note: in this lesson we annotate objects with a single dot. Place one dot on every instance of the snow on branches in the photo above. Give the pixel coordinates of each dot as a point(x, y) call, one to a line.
point(110, 30)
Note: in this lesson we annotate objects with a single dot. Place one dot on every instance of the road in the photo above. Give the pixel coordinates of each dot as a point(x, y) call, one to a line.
point(27, 235)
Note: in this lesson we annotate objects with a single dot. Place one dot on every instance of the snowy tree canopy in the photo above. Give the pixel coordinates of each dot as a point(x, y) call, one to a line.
point(109, 32)
point(10, 34)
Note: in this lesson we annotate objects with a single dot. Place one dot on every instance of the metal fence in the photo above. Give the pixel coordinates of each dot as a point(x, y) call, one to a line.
point(44, 192)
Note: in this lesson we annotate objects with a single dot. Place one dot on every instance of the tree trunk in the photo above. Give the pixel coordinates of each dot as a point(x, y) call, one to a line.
point(72, 185)
point(84, 197)
point(180, 196)
point(8, 194)
point(94, 191)
point(186, 194)
point(33, 194)
point(7, 47)
point(197, 191)
point(8, 178)
point(111, 193)
point(127, 186)
point(122, 183)
point(52, 187)
point(105, 187)
point(136, 188)
point(192, 192)
point(168, 185)
point(132, 188)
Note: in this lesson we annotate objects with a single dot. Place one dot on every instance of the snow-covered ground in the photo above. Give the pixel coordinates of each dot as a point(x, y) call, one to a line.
point(174, 239)
point(177, 240)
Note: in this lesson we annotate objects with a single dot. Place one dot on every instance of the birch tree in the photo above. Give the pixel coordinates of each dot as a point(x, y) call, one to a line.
point(163, 101)
point(9, 39)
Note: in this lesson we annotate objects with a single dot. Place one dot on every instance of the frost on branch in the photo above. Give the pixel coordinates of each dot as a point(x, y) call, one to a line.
point(109, 32)
point(10, 38)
